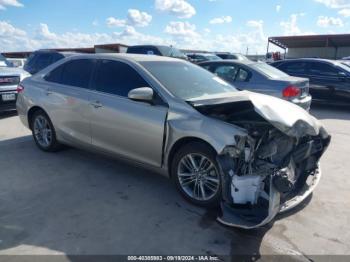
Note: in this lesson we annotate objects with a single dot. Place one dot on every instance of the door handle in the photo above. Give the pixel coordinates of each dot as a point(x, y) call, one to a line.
point(96, 104)
point(48, 92)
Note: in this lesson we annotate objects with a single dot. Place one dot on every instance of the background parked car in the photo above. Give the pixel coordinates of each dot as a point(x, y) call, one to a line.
point(202, 57)
point(262, 78)
point(41, 59)
point(10, 77)
point(159, 50)
point(231, 56)
point(329, 80)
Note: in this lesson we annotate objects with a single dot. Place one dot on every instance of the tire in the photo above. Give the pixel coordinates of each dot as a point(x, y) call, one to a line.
point(182, 175)
point(45, 129)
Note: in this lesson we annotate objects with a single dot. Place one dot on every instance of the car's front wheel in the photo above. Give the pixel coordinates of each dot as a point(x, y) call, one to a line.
point(43, 132)
point(196, 174)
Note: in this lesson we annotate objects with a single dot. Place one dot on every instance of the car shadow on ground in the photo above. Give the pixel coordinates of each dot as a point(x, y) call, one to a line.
point(75, 202)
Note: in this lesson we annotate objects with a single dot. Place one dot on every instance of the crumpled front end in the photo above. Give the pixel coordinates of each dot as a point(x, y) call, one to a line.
point(274, 167)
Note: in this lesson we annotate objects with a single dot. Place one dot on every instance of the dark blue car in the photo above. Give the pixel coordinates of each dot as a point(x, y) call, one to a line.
point(329, 80)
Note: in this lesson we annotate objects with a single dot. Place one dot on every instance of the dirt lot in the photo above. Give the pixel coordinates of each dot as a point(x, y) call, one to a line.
point(75, 202)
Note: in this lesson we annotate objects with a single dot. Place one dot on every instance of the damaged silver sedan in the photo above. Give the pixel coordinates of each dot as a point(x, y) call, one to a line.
point(252, 155)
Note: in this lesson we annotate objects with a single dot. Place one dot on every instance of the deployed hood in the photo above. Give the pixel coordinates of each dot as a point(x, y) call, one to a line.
point(283, 115)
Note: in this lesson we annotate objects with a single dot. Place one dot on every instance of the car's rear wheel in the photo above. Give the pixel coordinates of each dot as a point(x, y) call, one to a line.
point(43, 132)
point(196, 174)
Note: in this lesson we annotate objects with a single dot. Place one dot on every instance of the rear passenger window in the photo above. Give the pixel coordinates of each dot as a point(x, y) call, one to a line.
point(117, 78)
point(75, 73)
point(55, 75)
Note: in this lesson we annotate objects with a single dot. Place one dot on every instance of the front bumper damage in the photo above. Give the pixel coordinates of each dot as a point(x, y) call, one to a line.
point(274, 166)
point(254, 200)
point(241, 218)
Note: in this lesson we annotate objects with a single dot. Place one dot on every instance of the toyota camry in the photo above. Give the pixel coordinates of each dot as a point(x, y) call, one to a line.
point(249, 154)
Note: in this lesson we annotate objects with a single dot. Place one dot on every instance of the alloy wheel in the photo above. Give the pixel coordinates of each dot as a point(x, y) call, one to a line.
point(42, 131)
point(198, 177)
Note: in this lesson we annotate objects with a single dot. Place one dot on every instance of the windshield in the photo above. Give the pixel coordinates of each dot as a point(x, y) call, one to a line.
point(269, 71)
point(187, 81)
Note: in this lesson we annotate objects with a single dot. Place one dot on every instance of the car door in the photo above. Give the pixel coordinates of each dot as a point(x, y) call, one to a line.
point(325, 79)
point(67, 101)
point(121, 126)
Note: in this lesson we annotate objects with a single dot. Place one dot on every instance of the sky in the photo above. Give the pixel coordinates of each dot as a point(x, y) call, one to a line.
point(214, 25)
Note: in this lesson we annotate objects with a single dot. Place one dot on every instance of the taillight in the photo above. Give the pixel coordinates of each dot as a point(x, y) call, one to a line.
point(20, 89)
point(291, 91)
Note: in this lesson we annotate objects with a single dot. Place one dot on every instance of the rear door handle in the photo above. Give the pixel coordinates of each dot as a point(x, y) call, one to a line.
point(96, 104)
point(48, 92)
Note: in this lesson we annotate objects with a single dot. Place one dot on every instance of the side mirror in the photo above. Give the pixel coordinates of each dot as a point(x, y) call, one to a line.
point(142, 94)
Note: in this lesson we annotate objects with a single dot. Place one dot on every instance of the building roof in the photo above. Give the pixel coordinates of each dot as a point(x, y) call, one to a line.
point(339, 40)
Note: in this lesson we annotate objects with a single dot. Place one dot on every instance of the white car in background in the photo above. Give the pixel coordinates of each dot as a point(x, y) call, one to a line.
point(17, 62)
point(10, 77)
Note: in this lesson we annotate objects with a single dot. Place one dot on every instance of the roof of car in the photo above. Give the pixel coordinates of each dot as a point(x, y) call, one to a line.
point(202, 54)
point(305, 59)
point(148, 46)
point(64, 53)
point(132, 57)
point(233, 61)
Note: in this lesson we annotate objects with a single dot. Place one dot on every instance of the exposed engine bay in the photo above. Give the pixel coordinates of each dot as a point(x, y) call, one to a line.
point(267, 168)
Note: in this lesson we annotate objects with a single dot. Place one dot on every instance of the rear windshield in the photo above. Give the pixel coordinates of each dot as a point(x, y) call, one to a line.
point(269, 71)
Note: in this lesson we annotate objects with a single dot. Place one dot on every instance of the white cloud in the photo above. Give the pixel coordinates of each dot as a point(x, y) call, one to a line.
point(134, 18)
point(278, 8)
point(44, 33)
point(291, 27)
point(95, 23)
point(114, 22)
point(325, 21)
point(221, 20)
point(179, 8)
point(15, 39)
point(12, 38)
point(4, 3)
point(344, 12)
point(7, 29)
point(335, 3)
point(181, 29)
point(138, 18)
point(180, 34)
